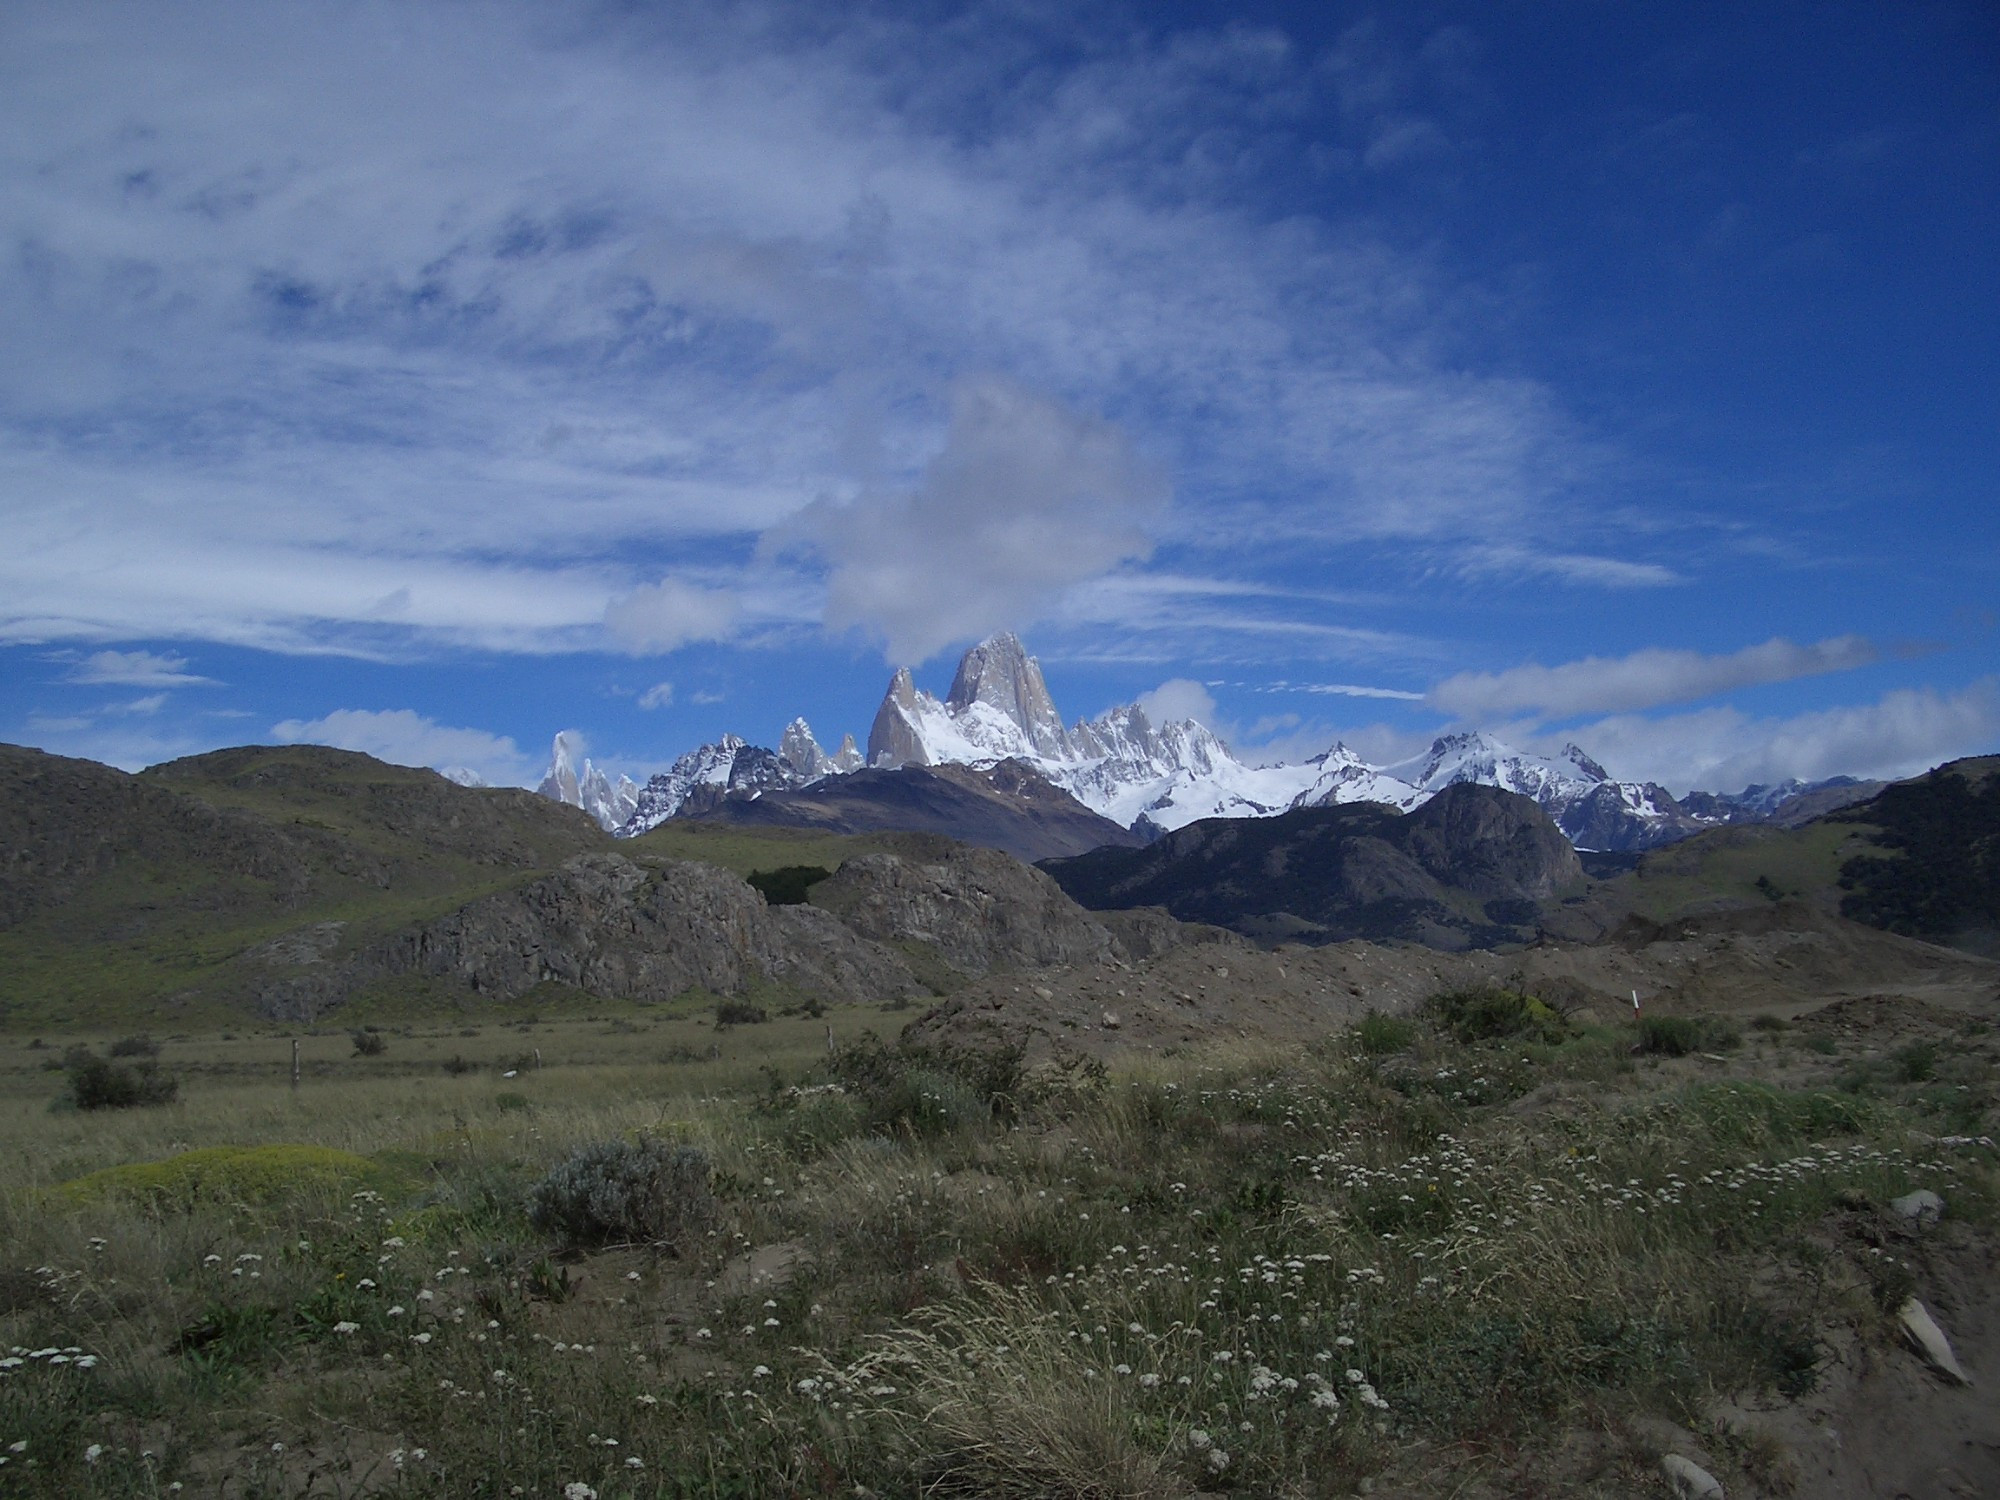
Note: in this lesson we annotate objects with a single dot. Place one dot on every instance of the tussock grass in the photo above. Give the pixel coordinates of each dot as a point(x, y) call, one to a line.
point(1257, 1269)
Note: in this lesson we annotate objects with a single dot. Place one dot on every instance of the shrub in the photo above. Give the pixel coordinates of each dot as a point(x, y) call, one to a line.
point(369, 1043)
point(1677, 1036)
point(626, 1191)
point(739, 1013)
point(926, 1092)
point(98, 1083)
point(134, 1046)
point(1487, 1012)
point(1916, 1062)
point(1379, 1035)
point(456, 1065)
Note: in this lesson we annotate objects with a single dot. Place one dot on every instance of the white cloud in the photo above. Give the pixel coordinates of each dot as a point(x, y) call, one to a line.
point(1569, 567)
point(152, 703)
point(1349, 690)
point(137, 669)
point(1644, 679)
point(659, 695)
point(669, 614)
point(1722, 749)
point(404, 737)
point(1025, 499)
point(1179, 698)
point(449, 325)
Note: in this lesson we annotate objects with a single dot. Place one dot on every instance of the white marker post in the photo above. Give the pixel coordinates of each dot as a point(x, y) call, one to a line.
point(1635, 1005)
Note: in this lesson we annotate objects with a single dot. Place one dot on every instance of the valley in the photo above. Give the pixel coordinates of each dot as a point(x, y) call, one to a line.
point(1318, 1154)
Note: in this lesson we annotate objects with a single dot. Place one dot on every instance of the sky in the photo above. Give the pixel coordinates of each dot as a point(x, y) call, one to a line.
point(429, 378)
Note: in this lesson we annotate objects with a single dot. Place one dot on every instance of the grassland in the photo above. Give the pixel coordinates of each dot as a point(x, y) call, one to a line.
point(1393, 1259)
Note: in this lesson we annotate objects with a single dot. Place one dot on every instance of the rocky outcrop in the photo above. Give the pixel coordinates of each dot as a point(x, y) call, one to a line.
point(976, 909)
point(643, 930)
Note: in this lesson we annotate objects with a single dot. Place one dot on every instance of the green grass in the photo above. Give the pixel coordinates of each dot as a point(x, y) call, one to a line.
point(1255, 1271)
point(1727, 865)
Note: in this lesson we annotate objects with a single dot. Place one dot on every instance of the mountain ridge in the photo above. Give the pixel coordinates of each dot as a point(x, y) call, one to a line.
point(1153, 778)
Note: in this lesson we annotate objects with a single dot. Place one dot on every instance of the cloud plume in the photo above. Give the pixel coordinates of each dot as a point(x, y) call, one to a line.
point(1025, 499)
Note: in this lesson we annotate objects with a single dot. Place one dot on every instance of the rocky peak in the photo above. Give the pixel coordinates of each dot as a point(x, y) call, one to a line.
point(799, 750)
point(896, 738)
point(1000, 674)
point(585, 786)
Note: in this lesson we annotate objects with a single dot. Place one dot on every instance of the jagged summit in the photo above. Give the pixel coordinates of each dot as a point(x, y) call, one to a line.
point(799, 750)
point(609, 802)
point(999, 675)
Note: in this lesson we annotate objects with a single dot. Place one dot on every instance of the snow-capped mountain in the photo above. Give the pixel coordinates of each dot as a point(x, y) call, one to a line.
point(1119, 765)
point(704, 776)
point(1147, 777)
point(1157, 778)
point(609, 802)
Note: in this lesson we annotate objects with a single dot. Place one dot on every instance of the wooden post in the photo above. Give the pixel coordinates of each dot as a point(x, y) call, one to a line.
point(295, 1062)
point(538, 1059)
point(829, 1041)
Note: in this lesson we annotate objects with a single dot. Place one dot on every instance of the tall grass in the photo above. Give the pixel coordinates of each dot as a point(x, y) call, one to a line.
point(1255, 1269)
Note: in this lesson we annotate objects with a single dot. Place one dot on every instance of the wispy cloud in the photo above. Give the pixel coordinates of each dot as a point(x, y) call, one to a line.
point(137, 669)
point(469, 325)
point(1346, 690)
point(1569, 567)
point(1643, 679)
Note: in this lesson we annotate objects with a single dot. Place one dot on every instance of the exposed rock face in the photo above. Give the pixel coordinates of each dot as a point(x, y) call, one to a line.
point(977, 908)
point(798, 749)
point(1000, 675)
point(624, 929)
point(585, 786)
point(895, 738)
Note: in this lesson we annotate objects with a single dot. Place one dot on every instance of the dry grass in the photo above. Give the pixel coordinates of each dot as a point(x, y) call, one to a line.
point(1257, 1270)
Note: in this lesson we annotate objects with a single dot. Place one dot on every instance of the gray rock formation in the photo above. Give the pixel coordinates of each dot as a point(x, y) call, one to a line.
point(625, 929)
point(999, 673)
point(978, 909)
point(895, 738)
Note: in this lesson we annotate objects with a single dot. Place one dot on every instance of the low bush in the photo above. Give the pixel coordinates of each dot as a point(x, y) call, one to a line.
point(1379, 1035)
point(458, 1066)
point(739, 1013)
point(98, 1083)
point(1678, 1036)
point(1488, 1012)
point(134, 1046)
point(625, 1191)
point(369, 1043)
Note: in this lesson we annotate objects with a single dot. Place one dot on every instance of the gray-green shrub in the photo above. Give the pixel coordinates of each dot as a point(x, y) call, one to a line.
point(626, 1191)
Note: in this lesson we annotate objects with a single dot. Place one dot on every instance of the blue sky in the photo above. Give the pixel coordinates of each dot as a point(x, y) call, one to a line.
point(431, 378)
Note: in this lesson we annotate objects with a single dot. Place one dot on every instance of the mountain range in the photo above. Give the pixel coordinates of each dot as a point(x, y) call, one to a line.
point(1151, 778)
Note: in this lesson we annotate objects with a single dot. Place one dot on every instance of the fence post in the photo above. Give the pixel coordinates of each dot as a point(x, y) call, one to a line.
point(295, 1062)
